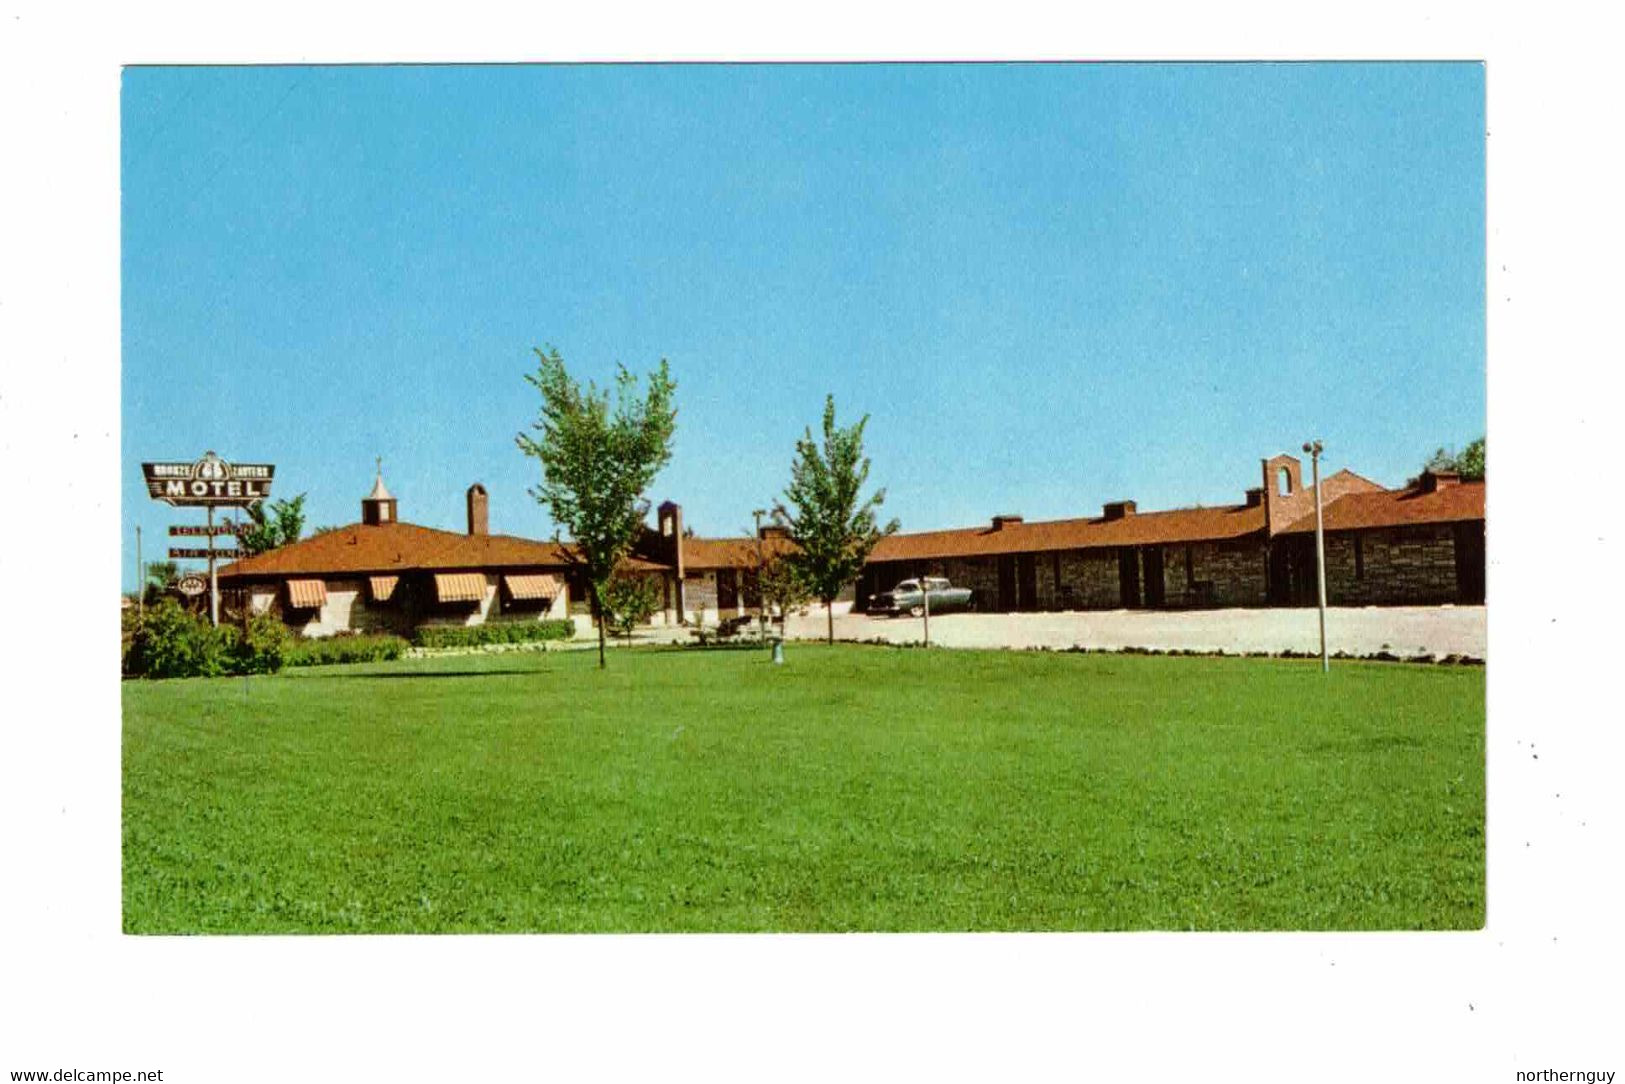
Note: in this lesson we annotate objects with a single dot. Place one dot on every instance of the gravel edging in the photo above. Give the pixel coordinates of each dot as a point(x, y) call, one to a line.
point(1216, 653)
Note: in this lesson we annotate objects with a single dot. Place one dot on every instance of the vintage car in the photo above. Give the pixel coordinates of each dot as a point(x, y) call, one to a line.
point(906, 598)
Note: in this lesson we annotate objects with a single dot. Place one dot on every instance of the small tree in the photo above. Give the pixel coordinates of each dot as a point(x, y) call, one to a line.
point(269, 528)
point(781, 588)
point(833, 527)
point(630, 601)
point(160, 576)
point(596, 463)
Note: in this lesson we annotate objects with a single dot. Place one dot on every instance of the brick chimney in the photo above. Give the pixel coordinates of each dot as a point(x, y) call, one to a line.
point(1255, 496)
point(773, 530)
point(1434, 480)
point(1001, 522)
point(1119, 509)
point(479, 516)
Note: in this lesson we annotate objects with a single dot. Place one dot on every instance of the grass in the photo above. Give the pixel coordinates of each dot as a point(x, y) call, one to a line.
point(855, 788)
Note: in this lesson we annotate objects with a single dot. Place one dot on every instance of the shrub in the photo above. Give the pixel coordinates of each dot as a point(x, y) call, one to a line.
point(264, 647)
point(169, 642)
point(501, 632)
point(343, 649)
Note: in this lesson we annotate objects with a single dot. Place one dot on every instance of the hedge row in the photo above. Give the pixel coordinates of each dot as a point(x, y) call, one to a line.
point(342, 649)
point(169, 642)
point(501, 632)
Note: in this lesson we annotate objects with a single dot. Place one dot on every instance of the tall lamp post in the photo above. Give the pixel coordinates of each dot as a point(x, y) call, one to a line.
point(1314, 448)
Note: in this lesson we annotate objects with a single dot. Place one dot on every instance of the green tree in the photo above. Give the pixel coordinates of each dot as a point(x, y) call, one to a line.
point(160, 575)
point(269, 528)
point(630, 600)
point(781, 588)
point(597, 460)
point(833, 527)
point(1469, 462)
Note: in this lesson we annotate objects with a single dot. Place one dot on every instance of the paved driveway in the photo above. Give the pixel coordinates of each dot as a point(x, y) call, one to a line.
point(1401, 630)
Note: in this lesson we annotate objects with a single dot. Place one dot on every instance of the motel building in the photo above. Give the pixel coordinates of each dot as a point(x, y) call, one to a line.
point(707, 580)
point(1421, 545)
point(385, 575)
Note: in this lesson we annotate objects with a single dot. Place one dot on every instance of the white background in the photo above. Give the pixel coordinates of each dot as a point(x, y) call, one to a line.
point(1535, 990)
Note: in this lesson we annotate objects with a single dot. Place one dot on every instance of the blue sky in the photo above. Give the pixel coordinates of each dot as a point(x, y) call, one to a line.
point(1049, 285)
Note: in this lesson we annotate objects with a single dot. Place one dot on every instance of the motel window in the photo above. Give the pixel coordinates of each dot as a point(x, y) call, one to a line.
point(1359, 557)
point(1190, 568)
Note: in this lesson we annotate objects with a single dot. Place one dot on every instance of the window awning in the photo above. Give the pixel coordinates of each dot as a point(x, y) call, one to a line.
point(536, 586)
point(307, 594)
point(459, 587)
point(382, 587)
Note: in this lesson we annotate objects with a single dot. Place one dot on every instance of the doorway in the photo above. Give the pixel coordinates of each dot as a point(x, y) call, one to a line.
point(1026, 582)
point(1007, 583)
point(1154, 593)
point(1470, 563)
point(1128, 578)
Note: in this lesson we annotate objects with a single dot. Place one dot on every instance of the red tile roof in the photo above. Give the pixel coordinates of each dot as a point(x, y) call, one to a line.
point(1140, 528)
point(1398, 508)
point(396, 547)
point(704, 554)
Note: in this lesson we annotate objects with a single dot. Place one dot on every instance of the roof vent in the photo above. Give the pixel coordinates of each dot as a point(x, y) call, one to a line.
point(1001, 522)
point(1119, 509)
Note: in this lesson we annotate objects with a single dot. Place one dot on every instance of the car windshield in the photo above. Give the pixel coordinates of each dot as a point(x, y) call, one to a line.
point(907, 585)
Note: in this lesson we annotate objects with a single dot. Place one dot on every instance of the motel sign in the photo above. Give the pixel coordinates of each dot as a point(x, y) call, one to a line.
point(209, 482)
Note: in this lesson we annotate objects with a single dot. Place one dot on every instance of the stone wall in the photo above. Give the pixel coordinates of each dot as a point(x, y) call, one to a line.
point(1090, 580)
point(1397, 566)
point(700, 595)
point(1229, 573)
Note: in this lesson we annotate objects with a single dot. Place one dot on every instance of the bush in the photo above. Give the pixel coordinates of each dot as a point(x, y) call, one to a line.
point(264, 647)
point(342, 649)
point(169, 642)
point(502, 632)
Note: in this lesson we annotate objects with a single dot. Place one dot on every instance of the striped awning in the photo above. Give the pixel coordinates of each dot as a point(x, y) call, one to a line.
point(536, 586)
point(459, 587)
point(307, 594)
point(382, 587)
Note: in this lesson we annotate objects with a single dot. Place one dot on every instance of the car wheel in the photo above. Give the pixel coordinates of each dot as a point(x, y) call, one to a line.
point(916, 611)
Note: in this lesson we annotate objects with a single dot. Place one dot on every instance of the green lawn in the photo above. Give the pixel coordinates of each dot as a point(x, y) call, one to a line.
point(856, 788)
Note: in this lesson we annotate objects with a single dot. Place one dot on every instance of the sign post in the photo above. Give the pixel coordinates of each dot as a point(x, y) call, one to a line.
point(209, 482)
point(214, 580)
